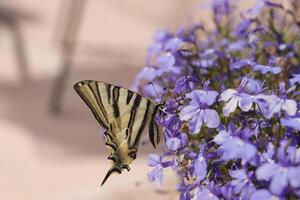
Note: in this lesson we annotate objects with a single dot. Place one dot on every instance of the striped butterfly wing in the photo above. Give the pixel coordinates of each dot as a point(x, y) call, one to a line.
point(124, 114)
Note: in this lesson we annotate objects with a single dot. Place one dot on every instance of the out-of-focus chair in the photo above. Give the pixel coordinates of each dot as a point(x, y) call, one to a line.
point(73, 11)
point(11, 19)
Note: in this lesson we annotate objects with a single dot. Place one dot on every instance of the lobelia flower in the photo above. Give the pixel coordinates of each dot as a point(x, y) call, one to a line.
point(245, 99)
point(293, 122)
point(263, 194)
point(173, 44)
point(185, 84)
point(289, 106)
point(241, 63)
point(260, 5)
point(295, 79)
point(157, 174)
point(233, 147)
point(200, 168)
point(280, 176)
point(268, 155)
point(237, 45)
point(256, 152)
point(147, 74)
point(166, 63)
point(241, 182)
point(175, 140)
point(266, 69)
point(242, 27)
point(185, 191)
point(204, 194)
point(173, 137)
point(198, 110)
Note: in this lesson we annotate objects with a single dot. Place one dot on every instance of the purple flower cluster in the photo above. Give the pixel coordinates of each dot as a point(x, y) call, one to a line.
point(231, 120)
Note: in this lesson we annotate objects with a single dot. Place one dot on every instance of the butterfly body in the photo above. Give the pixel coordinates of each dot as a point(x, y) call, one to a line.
point(124, 114)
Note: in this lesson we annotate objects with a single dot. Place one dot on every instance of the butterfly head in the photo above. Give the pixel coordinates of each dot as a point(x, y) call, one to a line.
point(122, 158)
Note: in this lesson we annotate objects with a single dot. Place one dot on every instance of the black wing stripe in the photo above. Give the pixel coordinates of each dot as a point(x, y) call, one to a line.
point(99, 102)
point(135, 105)
point(130, 124)
point(129, 97)
point(77, 89)
point(116, 95)
point(107, 87)
point(153, 129)
point(140, 130)
point(136, 102)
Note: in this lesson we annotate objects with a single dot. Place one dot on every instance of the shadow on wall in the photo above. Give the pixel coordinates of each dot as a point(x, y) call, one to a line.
point(12, 18)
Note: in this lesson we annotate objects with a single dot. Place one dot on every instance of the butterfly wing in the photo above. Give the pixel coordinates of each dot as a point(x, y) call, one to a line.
point(123, 113)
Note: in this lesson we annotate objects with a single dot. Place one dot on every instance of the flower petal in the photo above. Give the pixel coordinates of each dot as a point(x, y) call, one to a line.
point(230, 106)
point(221, 137)
point(156, 175)
point(210, 97)
point(294, 174)
point(188, 112)
point(227, 94)
point(289, 106)
point(153, 160)
point(200, 168)
point(245, 102)
point(278, 183)
point(262, 194)
point(211, 118)
point(266, 171)
point(173, 143)
point(196, 123)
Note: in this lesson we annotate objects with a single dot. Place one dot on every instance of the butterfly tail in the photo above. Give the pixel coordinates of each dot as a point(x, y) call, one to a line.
point(110, 171)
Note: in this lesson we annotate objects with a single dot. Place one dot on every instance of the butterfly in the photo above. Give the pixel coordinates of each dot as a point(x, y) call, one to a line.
point(124, 114)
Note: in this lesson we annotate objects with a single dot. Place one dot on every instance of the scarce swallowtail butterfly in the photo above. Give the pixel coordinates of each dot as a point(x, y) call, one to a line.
point(124, 114)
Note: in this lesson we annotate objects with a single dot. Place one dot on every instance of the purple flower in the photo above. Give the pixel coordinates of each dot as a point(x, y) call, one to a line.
point(234, 98)
point(233, 147)
point(237, 45)
point(295, 79)
point(157, 174)
point(263, 194)
point(185, 84)
point(256, 152)
point(166, 60)
point(245, 101)
point(204, 194)
point(185, 191)
point(177, 141)
point(198, 110)
point(147, 74)
point(268, 155)
point(289, 106)
point(293, 122)
point(241, 63)
point(200, 168)
point(280, 176)
point(243, 26)
point(253, 12)
point(173, 44)
point(241, 183)
point(266, 69)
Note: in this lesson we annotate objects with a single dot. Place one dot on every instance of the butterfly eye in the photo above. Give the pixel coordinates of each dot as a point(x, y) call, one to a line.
point(132, 155)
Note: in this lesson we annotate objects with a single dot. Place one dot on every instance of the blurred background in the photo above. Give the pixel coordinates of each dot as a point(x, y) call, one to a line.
point(51, 146)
